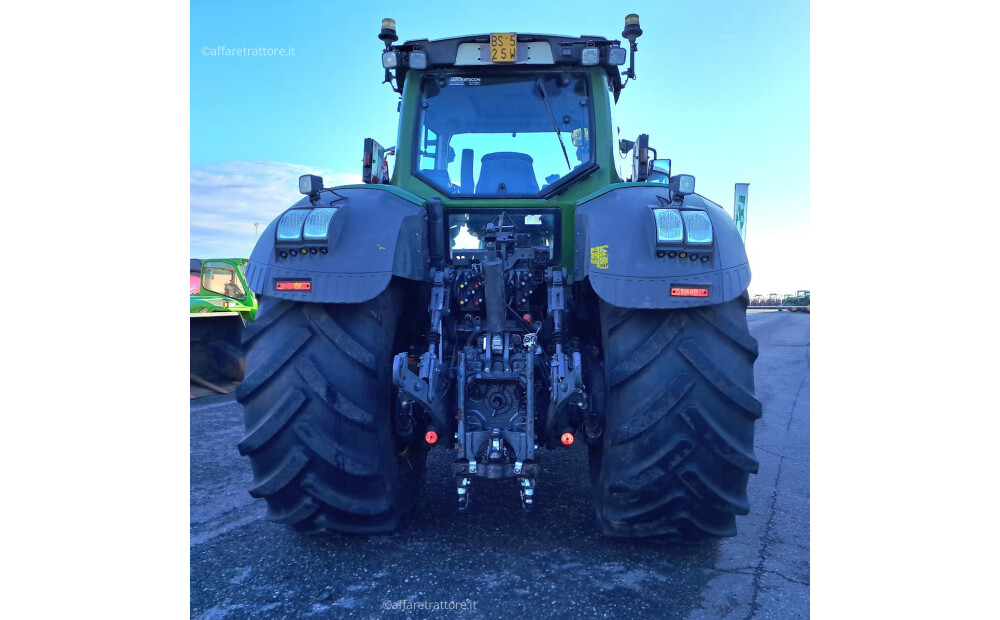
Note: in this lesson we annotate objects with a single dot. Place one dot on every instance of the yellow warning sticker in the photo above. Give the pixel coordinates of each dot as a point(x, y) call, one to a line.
point(599, 256)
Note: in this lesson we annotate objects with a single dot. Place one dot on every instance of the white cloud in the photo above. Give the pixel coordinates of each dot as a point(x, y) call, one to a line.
point(228, 197)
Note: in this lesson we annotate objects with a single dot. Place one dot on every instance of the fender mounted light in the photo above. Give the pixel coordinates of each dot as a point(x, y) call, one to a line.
point(698, 226)
point(668, 225)
point(317, 224)
point(310, 184)
point(290, 224)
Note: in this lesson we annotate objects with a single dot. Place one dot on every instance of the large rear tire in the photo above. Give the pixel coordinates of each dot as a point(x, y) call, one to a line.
point(318, 411)
point(678, 446)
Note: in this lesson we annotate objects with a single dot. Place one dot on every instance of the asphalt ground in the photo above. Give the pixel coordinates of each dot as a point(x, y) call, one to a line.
point(495, 560)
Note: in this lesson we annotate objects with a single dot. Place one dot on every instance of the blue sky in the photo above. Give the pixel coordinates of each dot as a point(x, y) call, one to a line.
point(722, 89)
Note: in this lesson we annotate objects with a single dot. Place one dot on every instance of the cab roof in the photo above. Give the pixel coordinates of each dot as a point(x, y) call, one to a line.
point(535, 50)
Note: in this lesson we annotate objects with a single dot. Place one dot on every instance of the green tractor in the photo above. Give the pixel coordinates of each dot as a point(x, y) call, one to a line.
point(502, 294)
point(221, 306)
point(799, 301)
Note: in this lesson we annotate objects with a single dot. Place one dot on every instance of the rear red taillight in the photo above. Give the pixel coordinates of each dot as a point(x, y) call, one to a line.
point(677, 291)
point(293, 286)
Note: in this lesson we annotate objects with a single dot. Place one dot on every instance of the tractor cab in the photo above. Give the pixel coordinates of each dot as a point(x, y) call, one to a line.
point(504, 115)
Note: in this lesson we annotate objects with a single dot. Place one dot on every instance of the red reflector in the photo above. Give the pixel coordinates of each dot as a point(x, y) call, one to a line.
point(431, 437)
point(677, 291)
point(293, 286)
point(566, 439)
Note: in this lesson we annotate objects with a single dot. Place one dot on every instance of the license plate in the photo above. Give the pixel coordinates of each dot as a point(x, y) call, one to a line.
point(503, 47)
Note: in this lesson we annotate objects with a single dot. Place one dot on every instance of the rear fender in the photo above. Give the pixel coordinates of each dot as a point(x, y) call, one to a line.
point(616, 249)
point(376, 233)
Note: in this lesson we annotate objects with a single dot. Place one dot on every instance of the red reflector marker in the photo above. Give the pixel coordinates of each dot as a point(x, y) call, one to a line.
point(566, 439)
point(676, 291)
point(431, 437)
point(293, 286)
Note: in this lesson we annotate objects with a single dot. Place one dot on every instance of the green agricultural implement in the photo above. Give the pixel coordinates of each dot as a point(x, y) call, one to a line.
point(221, 306)
point(503, 294)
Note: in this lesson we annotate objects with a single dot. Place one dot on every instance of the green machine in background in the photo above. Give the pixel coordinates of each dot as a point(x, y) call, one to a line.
point(799, 301)
point(221, 306)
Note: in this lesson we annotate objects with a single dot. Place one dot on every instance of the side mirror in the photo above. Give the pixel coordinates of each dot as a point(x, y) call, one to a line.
point(375, 168)
point(659, 171)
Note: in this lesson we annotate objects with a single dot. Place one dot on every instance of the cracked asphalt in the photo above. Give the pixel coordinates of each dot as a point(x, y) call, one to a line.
point(495, 560)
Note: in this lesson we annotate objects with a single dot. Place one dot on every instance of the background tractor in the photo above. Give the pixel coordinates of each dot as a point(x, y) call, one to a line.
point(799, 301)
point(221, 306)
point(502, 294)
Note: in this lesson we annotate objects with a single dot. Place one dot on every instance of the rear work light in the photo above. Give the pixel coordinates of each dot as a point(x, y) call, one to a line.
point(678, 291)
point(318, 223)
point(698, 226)
point(305, 285)
point(418, 60)
point(590, 56)
point(290, 224)
point(308, 224)
point(616, 56)
point(675, 226)
point(668, 225)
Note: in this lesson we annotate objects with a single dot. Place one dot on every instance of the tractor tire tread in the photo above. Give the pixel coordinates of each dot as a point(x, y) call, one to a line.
point(680, 412)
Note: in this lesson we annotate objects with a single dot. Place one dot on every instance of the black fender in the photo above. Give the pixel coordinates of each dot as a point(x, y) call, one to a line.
point(377, 232)
point(616, 250)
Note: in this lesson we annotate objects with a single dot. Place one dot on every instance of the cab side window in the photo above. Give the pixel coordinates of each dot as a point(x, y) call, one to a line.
point(221, 278)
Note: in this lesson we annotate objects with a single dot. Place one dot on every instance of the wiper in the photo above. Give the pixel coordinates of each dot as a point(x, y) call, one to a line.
point(555, 126)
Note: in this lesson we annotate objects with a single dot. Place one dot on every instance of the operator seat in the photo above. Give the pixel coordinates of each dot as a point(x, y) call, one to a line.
point(514, 170)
